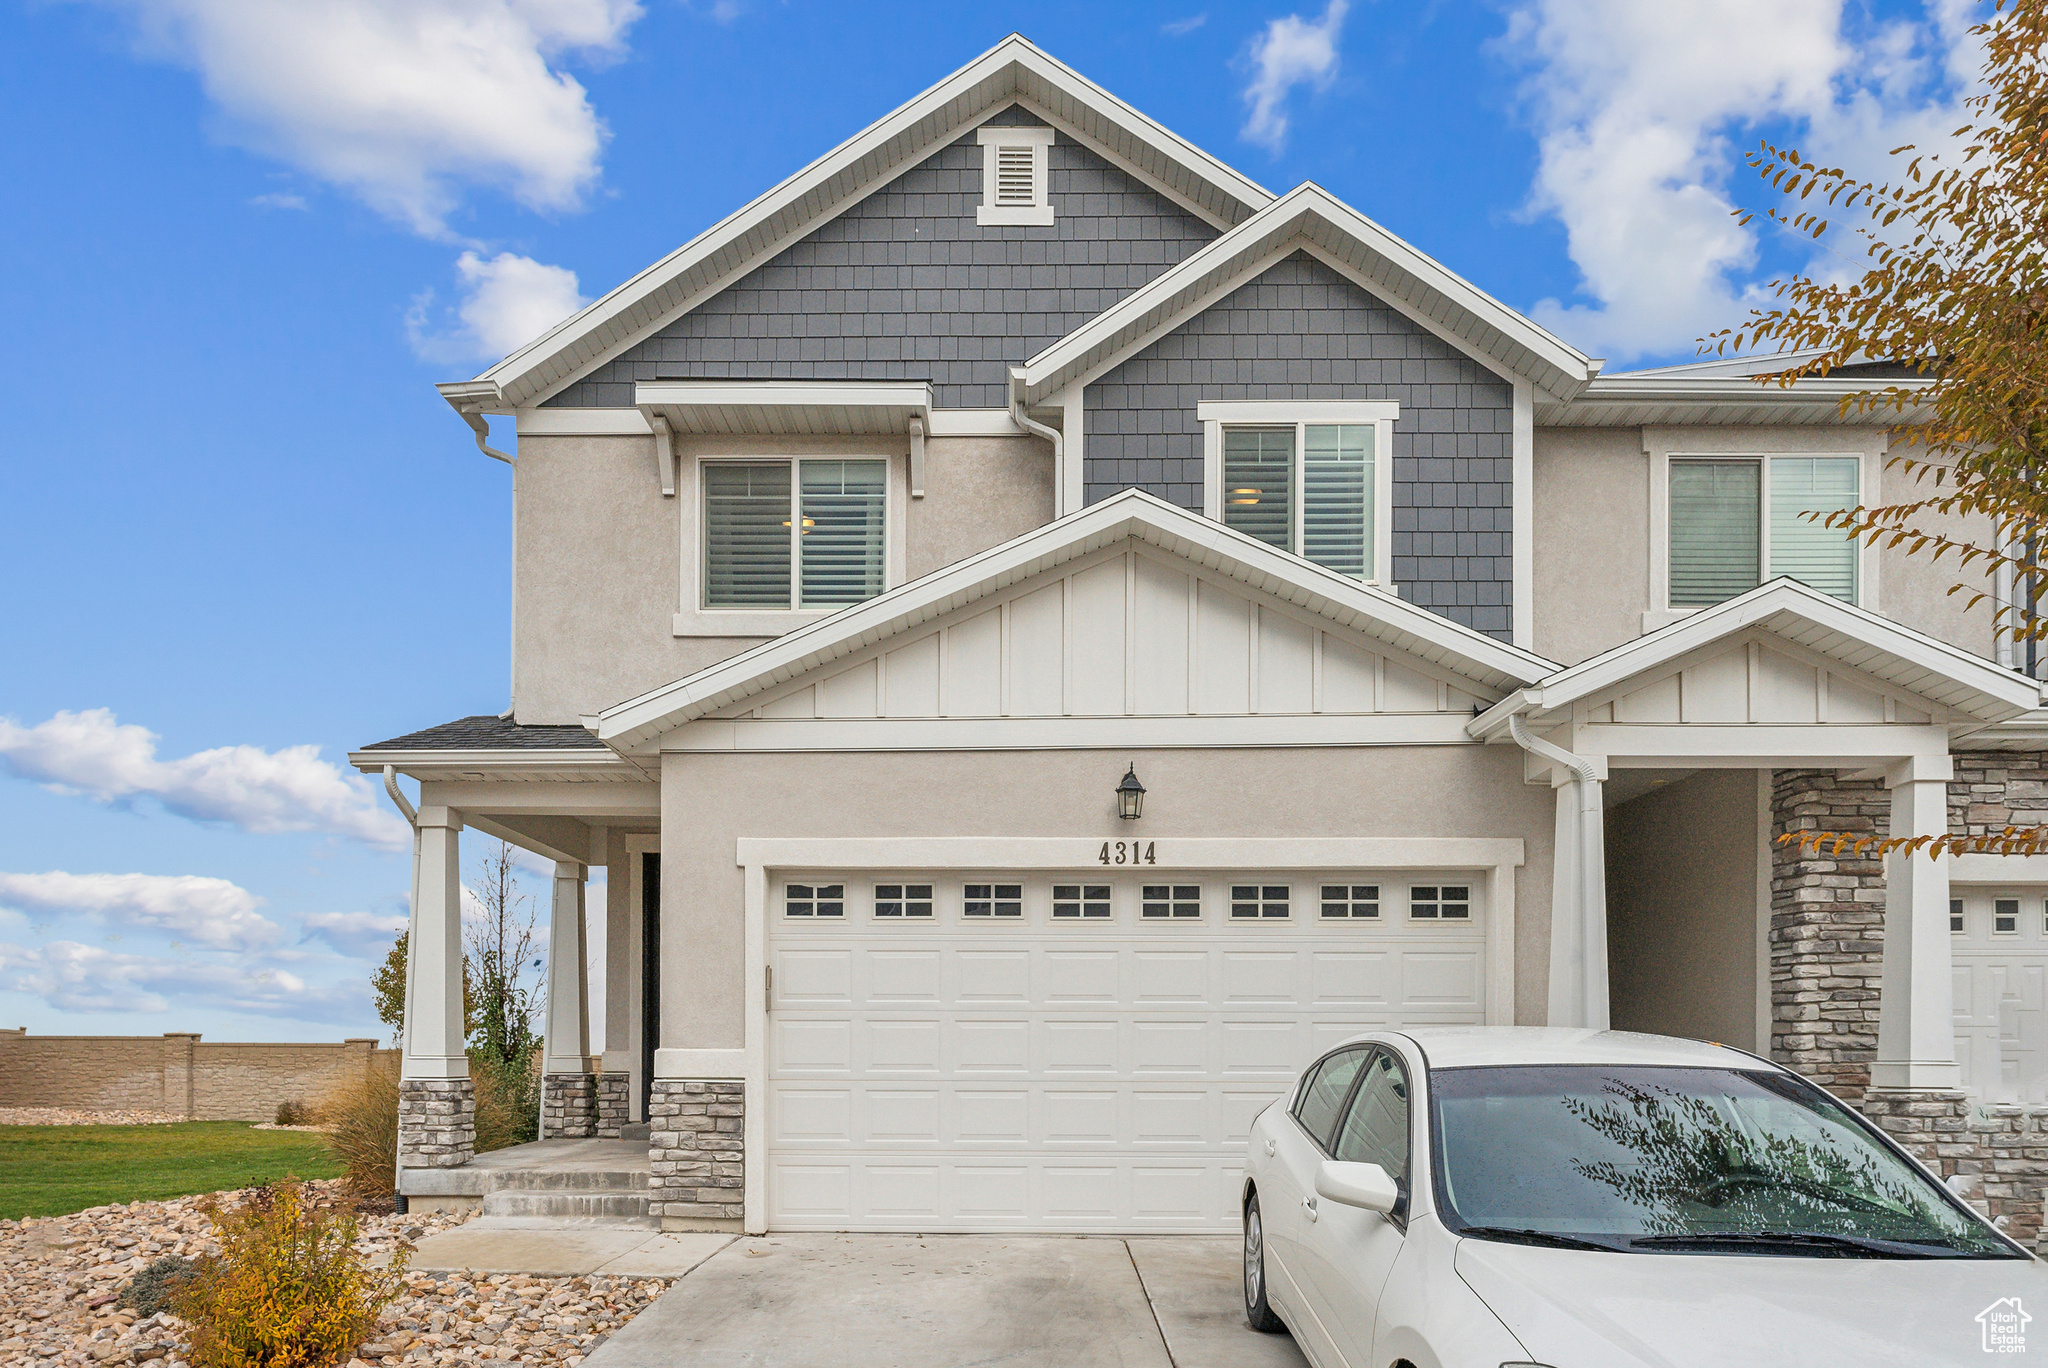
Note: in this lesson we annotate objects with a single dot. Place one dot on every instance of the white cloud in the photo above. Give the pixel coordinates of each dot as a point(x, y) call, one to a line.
point(404, 103)
point(260, 791)
point(360, 935)
point(185, 906)
point(1290, 52)
point(72, 977)
point(1176, 28)
point(508, 300)
point(280, 201)
point(1638, 110)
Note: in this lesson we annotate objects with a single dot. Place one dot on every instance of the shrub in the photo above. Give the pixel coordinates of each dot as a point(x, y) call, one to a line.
point(507, 1098)
point(151, 1290)
point(361, 1117)
point(288, 1289)
point(294, 1114)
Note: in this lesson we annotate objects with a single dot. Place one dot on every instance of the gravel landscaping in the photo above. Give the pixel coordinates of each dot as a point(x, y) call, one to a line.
point(71, 1116)
point(61, 1276)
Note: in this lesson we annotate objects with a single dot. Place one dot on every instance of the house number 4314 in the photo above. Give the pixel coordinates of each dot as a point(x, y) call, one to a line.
point(1129, 852)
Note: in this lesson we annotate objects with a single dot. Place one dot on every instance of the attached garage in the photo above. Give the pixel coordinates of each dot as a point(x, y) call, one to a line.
point(1075, 1049)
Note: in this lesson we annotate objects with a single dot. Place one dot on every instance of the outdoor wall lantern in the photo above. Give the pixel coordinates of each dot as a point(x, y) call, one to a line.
point(1130, 796)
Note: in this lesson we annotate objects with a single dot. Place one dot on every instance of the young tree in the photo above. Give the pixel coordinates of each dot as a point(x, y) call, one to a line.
point(1956, 292)
point(500, 940)
point(387, 989)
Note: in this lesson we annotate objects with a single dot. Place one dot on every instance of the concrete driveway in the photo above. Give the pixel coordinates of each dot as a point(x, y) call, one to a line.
point(964, 1301)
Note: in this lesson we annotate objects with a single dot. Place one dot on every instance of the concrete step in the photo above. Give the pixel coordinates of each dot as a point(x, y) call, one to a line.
point(609, 1207)
point(567, 1180)
point(635, 1130)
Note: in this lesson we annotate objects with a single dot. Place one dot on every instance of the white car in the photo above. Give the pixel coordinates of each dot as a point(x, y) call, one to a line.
point(1475, 1197)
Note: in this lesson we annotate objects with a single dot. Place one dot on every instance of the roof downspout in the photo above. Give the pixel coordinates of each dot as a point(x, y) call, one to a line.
point(482, 427)
point(412, 819)
point(1051, 434)
point(1578, 902)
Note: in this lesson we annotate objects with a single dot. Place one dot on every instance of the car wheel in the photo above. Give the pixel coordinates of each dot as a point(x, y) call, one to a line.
point(1256, 1309)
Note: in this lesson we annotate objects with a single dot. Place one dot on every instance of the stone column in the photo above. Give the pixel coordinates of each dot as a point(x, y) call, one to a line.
point(1916, 1034)
point(698, 1153)
point(568, 1091)
point(436, 1100)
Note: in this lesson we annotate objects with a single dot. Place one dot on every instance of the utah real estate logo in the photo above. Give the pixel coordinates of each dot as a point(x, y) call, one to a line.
point(2005, 1326)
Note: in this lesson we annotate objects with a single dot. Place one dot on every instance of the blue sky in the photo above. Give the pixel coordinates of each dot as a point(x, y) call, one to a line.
point(245, 241)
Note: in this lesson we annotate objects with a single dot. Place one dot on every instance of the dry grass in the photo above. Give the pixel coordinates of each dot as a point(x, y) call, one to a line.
point(362, 1121)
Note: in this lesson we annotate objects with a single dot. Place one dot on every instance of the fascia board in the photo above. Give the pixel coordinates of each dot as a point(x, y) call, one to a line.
point(784, 393)
point(1467, 313)
point(1131, 513)
point(921, 123)
point(1632, 389)
point(374, 761)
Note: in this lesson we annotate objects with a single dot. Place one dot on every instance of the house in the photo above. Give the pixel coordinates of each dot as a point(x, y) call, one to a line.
point(1044, 634)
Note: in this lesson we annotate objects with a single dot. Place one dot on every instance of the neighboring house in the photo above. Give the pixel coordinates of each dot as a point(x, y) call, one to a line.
point(865, 545)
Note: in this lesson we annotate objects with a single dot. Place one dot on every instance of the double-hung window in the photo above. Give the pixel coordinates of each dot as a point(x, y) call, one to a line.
point(1739, 521)
point(1311, 479)
point(806, 533)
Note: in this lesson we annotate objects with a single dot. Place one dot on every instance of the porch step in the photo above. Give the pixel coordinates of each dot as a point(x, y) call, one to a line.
point(615, 1207)
point(636, 1130)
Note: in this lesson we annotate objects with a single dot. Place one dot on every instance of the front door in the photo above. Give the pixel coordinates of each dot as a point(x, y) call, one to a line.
point(650, 971)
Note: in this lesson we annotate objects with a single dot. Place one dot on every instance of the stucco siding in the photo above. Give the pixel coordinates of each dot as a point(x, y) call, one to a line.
point(1916, 588)
point(1682, 909)
point(979, 492)
point(1591, 519)
point(905, 285)
point(710, 801)
point(1302, 331)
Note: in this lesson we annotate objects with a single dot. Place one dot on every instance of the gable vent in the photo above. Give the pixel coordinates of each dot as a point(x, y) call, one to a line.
point(1014, 176)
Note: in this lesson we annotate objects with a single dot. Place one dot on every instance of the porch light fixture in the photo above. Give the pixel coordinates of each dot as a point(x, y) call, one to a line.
point(1130, 796)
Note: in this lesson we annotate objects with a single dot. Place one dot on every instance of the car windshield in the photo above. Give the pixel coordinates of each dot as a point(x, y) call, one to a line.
point(1680, 1160)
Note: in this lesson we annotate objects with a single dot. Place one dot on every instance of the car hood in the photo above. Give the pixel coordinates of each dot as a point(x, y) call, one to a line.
point(1581, 1309)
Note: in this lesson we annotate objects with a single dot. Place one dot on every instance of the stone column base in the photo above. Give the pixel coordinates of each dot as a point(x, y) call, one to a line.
point(568, 1106)
point(614, 1103)
point(436, 1122)
point(694, 1142)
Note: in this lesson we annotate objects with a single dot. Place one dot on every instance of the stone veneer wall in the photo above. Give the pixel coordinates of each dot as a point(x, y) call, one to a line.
point(699, 1165)
point(177, 1073)
point(614, 1106)
point(568, 1106)
point(436, 1122)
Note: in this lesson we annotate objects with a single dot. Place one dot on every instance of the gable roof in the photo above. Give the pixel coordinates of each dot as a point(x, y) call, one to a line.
point(1492, 666)
point(1013, 71)
point(1309, 217)
point(1859, 639)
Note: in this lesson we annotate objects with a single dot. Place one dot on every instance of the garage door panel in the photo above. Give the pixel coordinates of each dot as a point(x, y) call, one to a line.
point(1080, 1074)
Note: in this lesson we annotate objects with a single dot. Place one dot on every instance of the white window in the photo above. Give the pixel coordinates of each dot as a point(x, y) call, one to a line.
point(1080, 900)
point(1013, 176)
point(1351, 900)
point(1737, 521)
point(814, 900)
point(1258, 901)
point(992, 900)
point(781, 535)
point(2005, 917)
point(903, 900)
point(1169, 901)
point(1312, 479)
point(1440, 902)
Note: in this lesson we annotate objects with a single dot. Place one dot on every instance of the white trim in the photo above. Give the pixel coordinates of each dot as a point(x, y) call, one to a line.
point(993, 138)
point(1130, 513)
point(990, 422)
point(1070, 487)
point(700, 1064)
point(1008, 73)
point(693, 619)
point(1217, 414)
point(1999, 869)
point(582, 422)
point(1066, 733)
point(1523, 517)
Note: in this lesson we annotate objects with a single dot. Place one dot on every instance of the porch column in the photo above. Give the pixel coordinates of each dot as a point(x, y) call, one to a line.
point(436, 1100)
point(1916, 1041)
point(568, 1090)
point(1578, 901)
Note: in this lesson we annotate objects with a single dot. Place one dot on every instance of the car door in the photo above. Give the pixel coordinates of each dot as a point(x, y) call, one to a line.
point(1300, 1140)
point(1344, 1253)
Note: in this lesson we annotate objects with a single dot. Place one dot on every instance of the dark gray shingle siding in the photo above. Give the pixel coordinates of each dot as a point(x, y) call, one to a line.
point(906, 286)
point(1301, 331)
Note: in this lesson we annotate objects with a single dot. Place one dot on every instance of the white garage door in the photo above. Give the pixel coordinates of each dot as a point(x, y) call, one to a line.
point(1073, 1051)
point(2000, 944)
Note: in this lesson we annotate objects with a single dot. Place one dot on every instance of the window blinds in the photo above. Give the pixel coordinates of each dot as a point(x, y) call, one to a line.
point(1258, 484)
point(1715, 527)
point(843, 539)
point(1336, 498)
point(746, 535)
point(1804, 547)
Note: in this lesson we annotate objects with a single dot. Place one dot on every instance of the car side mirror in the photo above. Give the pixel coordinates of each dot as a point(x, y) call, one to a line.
point(1360, 1185)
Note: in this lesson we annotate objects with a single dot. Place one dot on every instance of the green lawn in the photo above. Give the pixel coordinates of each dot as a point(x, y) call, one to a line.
point(51, 1170)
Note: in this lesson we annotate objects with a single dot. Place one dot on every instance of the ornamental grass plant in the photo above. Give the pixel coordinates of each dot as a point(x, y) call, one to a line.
point(361, 1117)
point(289, 1288)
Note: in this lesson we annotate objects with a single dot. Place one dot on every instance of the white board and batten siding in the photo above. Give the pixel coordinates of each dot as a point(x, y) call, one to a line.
point(1122, 634)
point(1083, 1073)
point(1755, 682)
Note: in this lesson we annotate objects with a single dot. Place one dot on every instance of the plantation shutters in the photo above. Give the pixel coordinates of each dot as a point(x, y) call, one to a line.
point(1803, 546)
point(1715, 551)
point(1331, 464)
point(1258, 484)
point(802, 534)
point(1736, 523)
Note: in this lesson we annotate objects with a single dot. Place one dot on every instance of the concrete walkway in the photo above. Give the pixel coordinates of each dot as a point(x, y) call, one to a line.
point(867, 1301)
point(563, 1249)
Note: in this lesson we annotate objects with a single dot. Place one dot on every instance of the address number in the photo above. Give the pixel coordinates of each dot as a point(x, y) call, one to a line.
point(1129, 853)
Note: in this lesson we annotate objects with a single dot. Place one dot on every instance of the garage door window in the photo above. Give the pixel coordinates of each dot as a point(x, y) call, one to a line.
point(1258, 901)
point(1351, 900)
point(1170, 901)
point(1440, 902)
point(815, 900)
point(1375, 1130)
point(1955, 916)
point(2005, 917)
point(903, 900)
point(1323, 1096)
point(1080, 900)
point(992, 900)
